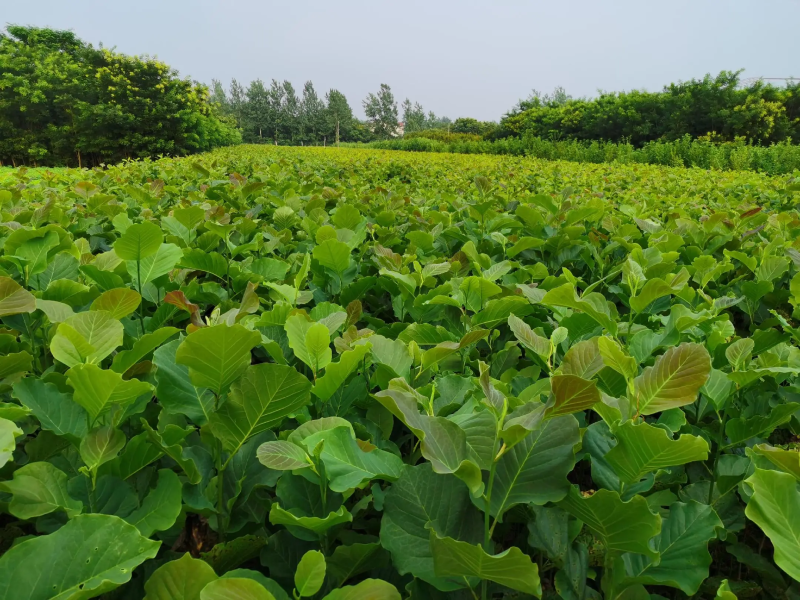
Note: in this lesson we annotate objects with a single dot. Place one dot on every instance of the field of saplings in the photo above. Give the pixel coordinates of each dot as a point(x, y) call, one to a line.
point(269, 373)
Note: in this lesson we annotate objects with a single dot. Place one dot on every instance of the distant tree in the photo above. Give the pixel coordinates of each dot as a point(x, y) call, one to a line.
point(473, 126)
point(258, 113)
point(237, 102)
point(290, 113)
point(338, 116)
point(276, 111)
point(312, 115)
point(381, 111)
point(414, 117)
point(219, 97)
point(434, 122)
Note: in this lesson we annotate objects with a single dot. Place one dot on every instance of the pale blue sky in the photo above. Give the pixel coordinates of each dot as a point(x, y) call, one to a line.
point(455, 57)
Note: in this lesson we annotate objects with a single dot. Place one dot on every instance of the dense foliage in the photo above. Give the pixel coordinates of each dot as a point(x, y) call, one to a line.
point(714, 107)
point(63, 102)
point(443, 135)
point(776, 159)
point(276, 115)
point(268, 373)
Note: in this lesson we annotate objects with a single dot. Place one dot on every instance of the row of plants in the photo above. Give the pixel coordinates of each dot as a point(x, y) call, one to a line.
point(274, 373)
point(777, 159)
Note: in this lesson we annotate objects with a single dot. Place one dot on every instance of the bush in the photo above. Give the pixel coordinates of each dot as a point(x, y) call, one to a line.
point(63, 102)
point(758, 114)
point(443, 135)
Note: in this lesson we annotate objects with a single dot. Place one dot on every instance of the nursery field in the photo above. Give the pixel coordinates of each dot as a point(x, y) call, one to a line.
point(268, 373)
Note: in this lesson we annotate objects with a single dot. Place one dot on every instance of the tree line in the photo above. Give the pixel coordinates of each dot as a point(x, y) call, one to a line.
point(716, 109)
point(277, 114)
point(63, 102)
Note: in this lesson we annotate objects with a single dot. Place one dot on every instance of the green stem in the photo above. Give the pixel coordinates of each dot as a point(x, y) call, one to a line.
point(718, 451)
point(32, 336)
point(139, 285)
point(487, 507)
point(220, 493)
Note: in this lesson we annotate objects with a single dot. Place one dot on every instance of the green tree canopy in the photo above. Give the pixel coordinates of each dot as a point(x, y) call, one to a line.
point(381, 111)
point(63, 102)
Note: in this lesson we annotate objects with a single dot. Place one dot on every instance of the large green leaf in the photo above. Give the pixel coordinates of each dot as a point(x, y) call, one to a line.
point(260, 400)
point(740, 430)
point(535, 470)
point(210, 262)
point(443, 442)
point(87, 557)
point(528, 338)
point(181, 579)
point(318, 347)
point(154, 266)
point(87, 337)
point(643, 448)
point(55, 410)
point(347, 465)
point(334, 255)
point(142, 347)
point(582, 360)
point(419, 500)
point(511, 568)
point(97, 390)
point(614, 357)
point(319, 525)
point(775, 508)
point(673, 380)
point(622, 526)
point(283, 456)
point(139, 241)
point(658, 288)
point(119, 302)
point(235, 588)
point(354, 559)
point(310, 573)
point(14, 299)
point(787, 461)
point(477, 291)
point(37, 489)
point(593, 304)
point(161, 506)
point(571, 394)
point(336, 373)
point(100, 446)
point(683, 549)
point(174, 387)
point(217, 356)
point(9, 433)
point(369, 589)
point(35, 252)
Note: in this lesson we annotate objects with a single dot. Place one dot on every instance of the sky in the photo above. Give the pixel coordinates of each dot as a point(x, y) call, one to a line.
point(458, 58)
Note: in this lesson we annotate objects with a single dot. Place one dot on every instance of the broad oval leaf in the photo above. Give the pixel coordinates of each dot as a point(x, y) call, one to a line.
point(181, 579)
point(70, 564)
point(642, 448)
point(217, 356)
point(139, 241)
point(673, 380)
point(264, 396)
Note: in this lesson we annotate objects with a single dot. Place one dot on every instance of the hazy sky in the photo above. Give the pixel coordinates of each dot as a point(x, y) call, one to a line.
point(455, 57)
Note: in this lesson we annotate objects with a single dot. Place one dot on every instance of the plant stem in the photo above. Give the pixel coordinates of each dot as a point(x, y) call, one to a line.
point(32, 336)
point(718, 451)
point(220, 493)
point(487, 536)
point(139, 285)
